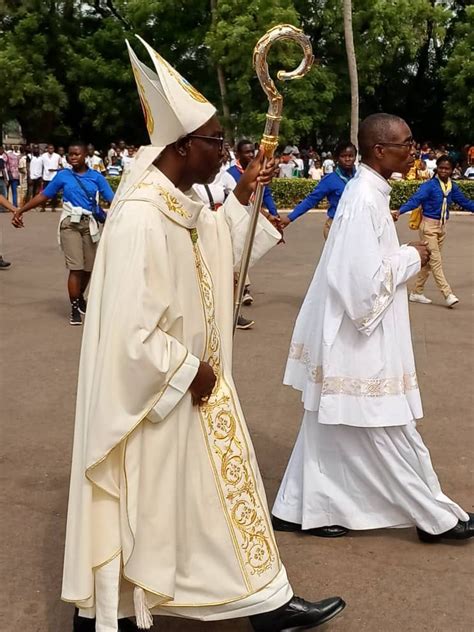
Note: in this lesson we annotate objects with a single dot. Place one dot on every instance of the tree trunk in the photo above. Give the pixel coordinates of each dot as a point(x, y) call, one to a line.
point(352, 64)
point(220, 75)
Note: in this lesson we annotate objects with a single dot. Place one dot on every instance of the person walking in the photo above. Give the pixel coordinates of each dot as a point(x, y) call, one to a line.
point(359, 462)
point(51, 162)
point(331, 187)
point(435, 197)
point(35, 169)
point(167, 511)
point(78, 230)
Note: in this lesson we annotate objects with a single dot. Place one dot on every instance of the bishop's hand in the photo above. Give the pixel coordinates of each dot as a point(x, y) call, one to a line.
point(203, 383)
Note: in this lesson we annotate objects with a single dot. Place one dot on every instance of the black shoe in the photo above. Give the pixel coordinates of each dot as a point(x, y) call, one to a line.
point(82, 304)
point(245, 323)
point(331, 531)
point(4, 265)
point(462, 531)
point(297, 614)
point(75, 318)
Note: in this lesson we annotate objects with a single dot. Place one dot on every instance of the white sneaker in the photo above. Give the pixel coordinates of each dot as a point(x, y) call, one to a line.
point(419, 298)
point(451, 300)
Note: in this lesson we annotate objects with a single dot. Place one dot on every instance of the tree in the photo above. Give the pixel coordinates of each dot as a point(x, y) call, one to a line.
point(352, 65)
point(458, 79)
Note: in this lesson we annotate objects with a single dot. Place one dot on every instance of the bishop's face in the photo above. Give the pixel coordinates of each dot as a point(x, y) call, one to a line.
point(206, 151)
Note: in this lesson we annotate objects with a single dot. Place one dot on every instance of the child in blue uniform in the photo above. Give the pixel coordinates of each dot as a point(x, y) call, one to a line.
point(435, 197)
point(78, 231)
point(330, 187)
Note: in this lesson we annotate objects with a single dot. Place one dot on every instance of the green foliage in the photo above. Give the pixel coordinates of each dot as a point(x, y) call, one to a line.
point(288, 192)
point(64, 68)
point(458, 76)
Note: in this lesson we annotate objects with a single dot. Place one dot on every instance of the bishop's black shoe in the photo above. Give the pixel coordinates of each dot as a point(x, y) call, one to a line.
point(332, 531)
point(462, 531)
point(81, 624)
point(297, 614)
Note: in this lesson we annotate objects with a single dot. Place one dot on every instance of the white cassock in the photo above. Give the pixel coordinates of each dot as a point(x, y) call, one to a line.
point(165, 495)
point(358, 460)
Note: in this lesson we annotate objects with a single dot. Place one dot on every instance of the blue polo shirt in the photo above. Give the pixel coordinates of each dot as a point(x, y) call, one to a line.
point(73, 193)
point(331, 187)
point(267, 201)
point(430, 197)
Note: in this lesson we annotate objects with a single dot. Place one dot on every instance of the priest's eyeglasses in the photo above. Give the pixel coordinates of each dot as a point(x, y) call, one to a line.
point(217, 139)
point(408, 145)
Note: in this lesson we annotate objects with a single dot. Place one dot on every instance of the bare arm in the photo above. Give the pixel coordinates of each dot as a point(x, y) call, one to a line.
point(17, 220)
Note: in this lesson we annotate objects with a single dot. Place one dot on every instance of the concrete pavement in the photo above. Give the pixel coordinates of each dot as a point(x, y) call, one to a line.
point(391, 582)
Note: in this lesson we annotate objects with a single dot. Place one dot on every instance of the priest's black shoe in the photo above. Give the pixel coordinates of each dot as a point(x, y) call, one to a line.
point(462, 531)
point(298, 614)
point(81, 624)
point(332, 531)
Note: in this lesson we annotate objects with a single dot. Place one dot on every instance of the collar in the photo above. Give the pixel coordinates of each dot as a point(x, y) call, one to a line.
point(367, 173)
point(182, 208)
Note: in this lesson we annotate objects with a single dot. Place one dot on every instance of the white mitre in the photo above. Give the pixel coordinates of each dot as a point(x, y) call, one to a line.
point(172, 109)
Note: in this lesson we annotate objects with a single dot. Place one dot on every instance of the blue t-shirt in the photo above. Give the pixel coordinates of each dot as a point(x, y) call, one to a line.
point(92, 181)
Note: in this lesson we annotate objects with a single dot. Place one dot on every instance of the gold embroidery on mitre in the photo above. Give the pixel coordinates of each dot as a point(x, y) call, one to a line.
point(191, 90)
point(229, 454)
point(149, 121)
point(173, 204)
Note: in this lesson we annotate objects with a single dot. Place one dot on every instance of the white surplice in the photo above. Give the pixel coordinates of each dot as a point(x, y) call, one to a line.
point(359, 460)
point(166, 493)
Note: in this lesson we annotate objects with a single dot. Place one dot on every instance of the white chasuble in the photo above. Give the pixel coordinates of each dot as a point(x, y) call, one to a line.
point(174, 488)
point(351, 354)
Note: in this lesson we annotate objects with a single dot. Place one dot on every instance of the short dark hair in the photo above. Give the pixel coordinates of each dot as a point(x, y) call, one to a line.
point(242, 143)
point(373, 130)
point(342, 146)
point(445, 158)
point(78, 143)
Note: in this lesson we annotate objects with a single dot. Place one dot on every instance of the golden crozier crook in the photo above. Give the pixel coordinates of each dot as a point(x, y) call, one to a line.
point(272, 126)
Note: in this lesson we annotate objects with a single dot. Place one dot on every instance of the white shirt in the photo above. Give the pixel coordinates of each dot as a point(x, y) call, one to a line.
point(64, 163)
point(328, 165)
point(96, 163)
point(316, 173)
point(127, 161)
point(469, 173)
point(351, 353)
point(286, 169)
point(431, 165)
point(50, 161)
point(36, 167)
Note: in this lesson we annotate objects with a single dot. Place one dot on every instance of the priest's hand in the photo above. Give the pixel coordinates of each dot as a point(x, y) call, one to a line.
point(423, 250)
point(254, 174)
point(203, 383)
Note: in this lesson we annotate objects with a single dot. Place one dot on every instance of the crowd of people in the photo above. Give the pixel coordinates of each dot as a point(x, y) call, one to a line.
point(161, 447)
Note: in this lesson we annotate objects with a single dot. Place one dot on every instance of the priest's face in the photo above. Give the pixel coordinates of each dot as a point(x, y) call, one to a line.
point(396, 153)
point(206, 151)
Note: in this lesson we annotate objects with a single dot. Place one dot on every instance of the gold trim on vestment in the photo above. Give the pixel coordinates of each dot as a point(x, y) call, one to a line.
point(352, 386)
point(191, 90)
point(228, 451)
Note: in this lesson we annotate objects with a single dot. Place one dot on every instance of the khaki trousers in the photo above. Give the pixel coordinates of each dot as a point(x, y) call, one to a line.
point(434, 234)
point(327, 227)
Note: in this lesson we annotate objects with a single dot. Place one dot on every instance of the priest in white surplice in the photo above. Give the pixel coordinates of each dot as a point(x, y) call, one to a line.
point(359, 462)
point(167, 512)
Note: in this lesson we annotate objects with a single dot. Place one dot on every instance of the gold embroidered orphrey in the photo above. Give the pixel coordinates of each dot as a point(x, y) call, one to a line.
point(149, 120)
point(356, 387)
point(227, 446)
point(173, 204)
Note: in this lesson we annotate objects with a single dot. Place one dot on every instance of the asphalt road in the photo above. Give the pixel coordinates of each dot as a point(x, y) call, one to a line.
point(391, 582)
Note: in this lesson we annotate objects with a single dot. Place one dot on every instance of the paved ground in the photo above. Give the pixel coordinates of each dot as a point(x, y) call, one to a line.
point(392, 583)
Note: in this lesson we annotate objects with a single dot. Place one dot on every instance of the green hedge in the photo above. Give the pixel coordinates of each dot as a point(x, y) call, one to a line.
point(287, 192)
